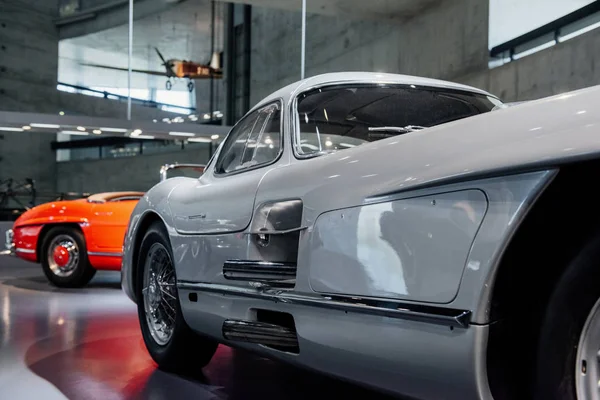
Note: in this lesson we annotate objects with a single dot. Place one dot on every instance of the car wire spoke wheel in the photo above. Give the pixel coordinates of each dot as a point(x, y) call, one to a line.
point(160, 294)
point(63, 255)
point(587, 367)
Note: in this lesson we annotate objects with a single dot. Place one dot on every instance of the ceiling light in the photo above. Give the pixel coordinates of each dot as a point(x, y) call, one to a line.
point(97, 131)
point(114, 130)
point(10, 129)
point(145, 137)
point(81, 128)
point(206, 116)
point(200, 140)
point(61, 113)
point(154, 121)
point(214, 137)
point(50, 126)
point(181, 134)
point(26, 128)
point(328, 143)
point(74, 133)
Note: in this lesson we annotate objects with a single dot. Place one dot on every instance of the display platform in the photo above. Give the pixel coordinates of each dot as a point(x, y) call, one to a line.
point(86, 344)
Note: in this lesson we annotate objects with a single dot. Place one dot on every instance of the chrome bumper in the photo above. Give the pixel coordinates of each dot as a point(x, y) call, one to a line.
point(9, 244)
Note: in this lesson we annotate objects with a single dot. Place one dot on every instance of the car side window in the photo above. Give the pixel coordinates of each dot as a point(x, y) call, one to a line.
point(255, 141)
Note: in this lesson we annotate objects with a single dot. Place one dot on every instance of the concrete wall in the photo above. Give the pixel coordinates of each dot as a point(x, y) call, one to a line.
point(128, 173)
point(570, 65)
point(447, 40)
point(28, 65)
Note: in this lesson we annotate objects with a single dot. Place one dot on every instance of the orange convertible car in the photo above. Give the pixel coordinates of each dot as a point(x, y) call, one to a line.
point(72, 239)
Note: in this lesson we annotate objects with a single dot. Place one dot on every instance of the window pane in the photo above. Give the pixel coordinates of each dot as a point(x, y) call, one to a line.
point(235, 144)
point(255, 141)
point(340, 117)
point(269, 144)
point(252, 139)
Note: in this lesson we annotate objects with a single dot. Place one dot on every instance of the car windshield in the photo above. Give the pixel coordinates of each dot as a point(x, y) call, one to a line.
point(344, 116)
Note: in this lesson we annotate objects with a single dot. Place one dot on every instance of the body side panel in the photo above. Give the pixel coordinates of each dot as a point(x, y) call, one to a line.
point(107, 225)
point(105, 261)
point(403, 357)
point(25, 239)
point(413, 248)
point(215, 204)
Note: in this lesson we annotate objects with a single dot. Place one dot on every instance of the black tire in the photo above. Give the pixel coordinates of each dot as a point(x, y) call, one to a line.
point(82, 273)
point(185, 351)
point(569, 306)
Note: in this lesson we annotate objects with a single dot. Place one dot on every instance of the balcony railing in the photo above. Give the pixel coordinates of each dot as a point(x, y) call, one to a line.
point(571, 25)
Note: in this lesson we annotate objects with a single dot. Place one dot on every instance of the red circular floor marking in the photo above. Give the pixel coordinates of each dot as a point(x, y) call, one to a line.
point(61, 256)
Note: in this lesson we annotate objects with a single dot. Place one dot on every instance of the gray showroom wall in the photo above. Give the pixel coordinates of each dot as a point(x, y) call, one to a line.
point(447, 40)
point(28, 65)
point(570, 65)
point(127, 173)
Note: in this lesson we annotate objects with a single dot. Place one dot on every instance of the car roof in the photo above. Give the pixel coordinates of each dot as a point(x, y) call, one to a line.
point(333, 78)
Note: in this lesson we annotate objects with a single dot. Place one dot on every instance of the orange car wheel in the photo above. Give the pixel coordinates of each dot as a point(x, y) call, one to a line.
point(64, 258)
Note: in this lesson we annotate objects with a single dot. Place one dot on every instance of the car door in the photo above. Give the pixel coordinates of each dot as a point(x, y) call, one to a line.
point(108, 224)
point(222, 199)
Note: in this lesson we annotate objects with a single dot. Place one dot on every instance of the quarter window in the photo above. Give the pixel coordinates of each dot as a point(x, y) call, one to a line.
point(254, 141)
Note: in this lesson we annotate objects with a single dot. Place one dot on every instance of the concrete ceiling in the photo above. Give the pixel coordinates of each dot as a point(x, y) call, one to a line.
point(369, 9)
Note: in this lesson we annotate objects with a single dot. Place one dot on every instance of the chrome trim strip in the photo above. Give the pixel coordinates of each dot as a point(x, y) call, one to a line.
point(383, 307)
point(260, 333)
point(259, 263)
point(28, 251)
point(267, 232)
point(101, 254)
point(266, 272)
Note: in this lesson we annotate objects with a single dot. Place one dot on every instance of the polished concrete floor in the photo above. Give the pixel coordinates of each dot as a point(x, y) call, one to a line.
point(86, 344)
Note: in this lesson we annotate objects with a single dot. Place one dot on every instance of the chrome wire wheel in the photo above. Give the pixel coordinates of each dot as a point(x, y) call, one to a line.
point(587, 367)
point(160, 294)
point(63, 255)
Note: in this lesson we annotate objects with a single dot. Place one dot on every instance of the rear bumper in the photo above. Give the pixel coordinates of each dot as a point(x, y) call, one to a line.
point(413, 357)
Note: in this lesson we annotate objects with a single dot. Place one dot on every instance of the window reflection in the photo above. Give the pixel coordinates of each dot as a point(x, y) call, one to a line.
point(345, 116)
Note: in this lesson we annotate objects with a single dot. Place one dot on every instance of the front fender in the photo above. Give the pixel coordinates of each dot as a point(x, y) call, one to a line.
point(153, 206)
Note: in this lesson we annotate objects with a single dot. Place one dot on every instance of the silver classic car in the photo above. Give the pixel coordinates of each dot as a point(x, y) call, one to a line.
point(412, 235)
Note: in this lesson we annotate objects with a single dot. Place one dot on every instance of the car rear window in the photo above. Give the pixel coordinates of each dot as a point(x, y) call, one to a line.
point(334, 118)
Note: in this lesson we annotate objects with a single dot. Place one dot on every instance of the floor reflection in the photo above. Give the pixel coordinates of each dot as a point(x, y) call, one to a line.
point(86, 344)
